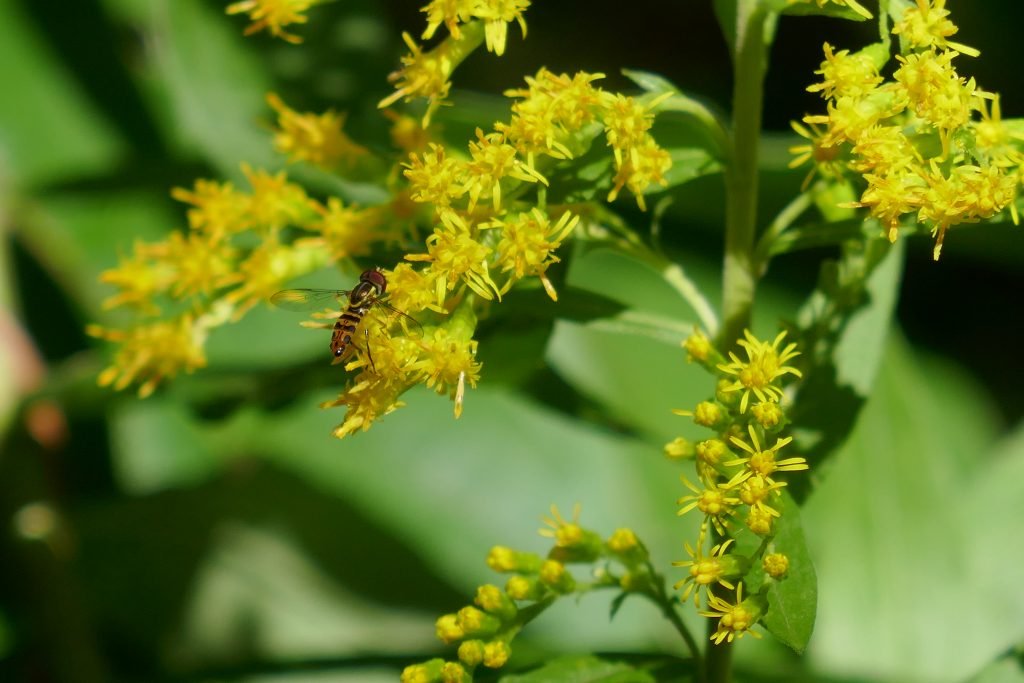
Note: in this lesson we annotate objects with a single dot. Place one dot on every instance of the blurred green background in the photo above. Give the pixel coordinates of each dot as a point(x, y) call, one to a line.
point(216, 532)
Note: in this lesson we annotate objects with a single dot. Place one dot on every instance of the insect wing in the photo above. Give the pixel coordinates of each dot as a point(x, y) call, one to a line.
point(395, 311)
point(307, 299)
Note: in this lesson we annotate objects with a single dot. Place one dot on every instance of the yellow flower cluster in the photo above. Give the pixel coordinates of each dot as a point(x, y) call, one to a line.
point(490, 222)
point(738, 474)
point(484, 630)
point(274, 15)
point(915, 139)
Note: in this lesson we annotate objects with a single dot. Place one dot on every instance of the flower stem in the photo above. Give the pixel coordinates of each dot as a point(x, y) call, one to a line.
point(739, 276)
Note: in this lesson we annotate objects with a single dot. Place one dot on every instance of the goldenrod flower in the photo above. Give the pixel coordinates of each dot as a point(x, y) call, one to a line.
point(275, 202)
point(448, 629)
point(852, 4)
point(764, 365)
point(527, 245)
point(775, 565)
point(555, 576)
point(471, 652)
point(524, 588)
point(435, 178)
point(316, 138)
point(448, 363)
point(496, 654)
point(344, 231)
point(452, 672)
point(267, 269)
point(713, 501)
point(734, 620)
point(926, 25)
point(217, 208)
point(504, 559)
point(823, 152)
point(761, 461)
point(426, 74)
point(937, 93)
point(844, 74)
point(451, 13)
point(759, 520)
point(427, 672)
point(641, 167)
point(153, 352)
point(491, 160)
point(455, 254)
point(274, 15)
point(755, 490)
point(716, 567)
point(474, 622)
point(496, 15)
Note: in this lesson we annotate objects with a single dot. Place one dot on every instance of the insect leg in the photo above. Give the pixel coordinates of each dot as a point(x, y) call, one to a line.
point(369, 354)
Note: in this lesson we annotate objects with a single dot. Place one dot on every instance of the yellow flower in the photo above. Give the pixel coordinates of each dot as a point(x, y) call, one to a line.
point(344, 231)
point(217, 208)
point(316, 138)
point(891, 196)
point(845, 74)
point(764, 365)
point(153, 352)
point(775, 565)
point(716, 567)
point(496, 15)
point(713, 501)
point(927, 26)
point(448, 363)
point(435, 178)
point(762, 461)
point(937, 93)
point(734, 620)
point(852, 4)
point(426, 74)
point(451, 13)
point(639, 168)
point(266, 270)
point(140, 280)
point(491, 160)
point(496, 654)
point(455, 254)
point(969, 194)
point(276, 203)
point(823, 152)
point(273, 15)
point(527, 245)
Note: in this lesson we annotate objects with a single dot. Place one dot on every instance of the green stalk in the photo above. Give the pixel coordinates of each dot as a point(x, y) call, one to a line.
point(739, 276)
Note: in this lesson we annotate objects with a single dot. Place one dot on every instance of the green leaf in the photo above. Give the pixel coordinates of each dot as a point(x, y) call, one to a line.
point(215, 84)
point(844, 327)
point(1005, 670)
point(51, 131)
point(810, 8)
point(911, 532)
point(594, 669)
point(792, 602)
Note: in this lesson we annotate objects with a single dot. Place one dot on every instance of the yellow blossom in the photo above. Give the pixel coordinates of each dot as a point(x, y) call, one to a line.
point(822, 151)
point(454, 254)
point(275, 202)
point(852, 4)
point(451, 13)
point(762, 461)
point(640, 167)
point(527, 245)
point(735, 620)
point(153, 352)
point(448, 363)
point(266, 270)
point(936, 92)
point(926, 25)
point(435, 178)
point(845, 74)
point(273, 15)
point(496, 654)
point(316, 138)
point(344, 231)
point(217, 208)
point(496, 15)
point(764, 365)
point(491, 160)
point(775, 565)
point(714, 501)
point(704, 571)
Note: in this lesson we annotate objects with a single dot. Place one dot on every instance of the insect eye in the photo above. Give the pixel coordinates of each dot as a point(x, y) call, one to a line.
point(337, 352)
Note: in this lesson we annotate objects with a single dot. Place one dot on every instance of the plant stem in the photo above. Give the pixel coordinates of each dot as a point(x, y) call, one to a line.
point(739, 276)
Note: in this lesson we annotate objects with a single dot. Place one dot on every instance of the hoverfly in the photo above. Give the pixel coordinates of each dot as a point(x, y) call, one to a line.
point(368, 293)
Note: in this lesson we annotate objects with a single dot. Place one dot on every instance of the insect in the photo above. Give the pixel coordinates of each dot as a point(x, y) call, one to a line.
point(365, 295)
